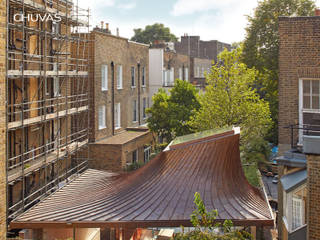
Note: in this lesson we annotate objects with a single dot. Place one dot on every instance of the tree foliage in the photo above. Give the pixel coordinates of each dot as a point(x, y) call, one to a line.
point(204, 223)
point(153, 32)
point(231, 100)
point(261, 46)
point(169, 114)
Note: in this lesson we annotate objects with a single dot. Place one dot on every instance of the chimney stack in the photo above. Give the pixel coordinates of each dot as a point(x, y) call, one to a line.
point(317, 12)
point(102, 24)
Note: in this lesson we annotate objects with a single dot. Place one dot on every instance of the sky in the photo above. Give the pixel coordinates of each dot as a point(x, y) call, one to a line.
point(223, 20)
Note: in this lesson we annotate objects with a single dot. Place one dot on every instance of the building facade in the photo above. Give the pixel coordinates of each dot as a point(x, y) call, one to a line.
point(299, 119)
point(3, 140)
point(196, 48)
point(44, 86)
point(120, 90)
point(165, 67)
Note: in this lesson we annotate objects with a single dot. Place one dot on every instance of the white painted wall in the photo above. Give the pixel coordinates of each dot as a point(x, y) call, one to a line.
point(155, 71)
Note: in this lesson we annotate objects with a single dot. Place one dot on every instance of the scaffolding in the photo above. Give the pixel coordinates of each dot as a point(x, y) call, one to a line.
point(47, 98)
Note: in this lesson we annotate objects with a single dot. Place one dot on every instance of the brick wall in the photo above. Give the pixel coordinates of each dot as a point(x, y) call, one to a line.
point(313, 186)
point(108, 48)
point(3, 203)
point(176, 61)
point(194, 47)
point(298, 58)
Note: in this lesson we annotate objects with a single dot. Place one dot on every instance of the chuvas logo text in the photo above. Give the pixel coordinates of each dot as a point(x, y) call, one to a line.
point(37, 17)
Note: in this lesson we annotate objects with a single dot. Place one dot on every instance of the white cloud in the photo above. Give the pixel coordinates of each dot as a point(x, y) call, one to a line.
point(127, 6)
point(215, 19)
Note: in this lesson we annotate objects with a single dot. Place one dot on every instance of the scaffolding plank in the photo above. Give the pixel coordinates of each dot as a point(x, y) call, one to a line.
point(12, 73)
point(39, 162)
point(50, 116)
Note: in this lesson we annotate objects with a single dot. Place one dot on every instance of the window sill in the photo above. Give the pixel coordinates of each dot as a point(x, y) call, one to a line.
point(101, 128)
point(134, 121)
point(119, 88)
point(103, 90)
point(143, 86)
point(117, 128)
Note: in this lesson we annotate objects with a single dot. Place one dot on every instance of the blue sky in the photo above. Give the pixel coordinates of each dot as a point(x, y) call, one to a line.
point(224, 20)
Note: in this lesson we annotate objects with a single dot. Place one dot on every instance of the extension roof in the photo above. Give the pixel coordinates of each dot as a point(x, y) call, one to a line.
point(160, 194)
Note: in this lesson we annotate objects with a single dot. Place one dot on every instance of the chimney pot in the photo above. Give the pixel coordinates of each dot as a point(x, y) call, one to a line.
point(118, 32)
point(107, 26)
point(101, 24)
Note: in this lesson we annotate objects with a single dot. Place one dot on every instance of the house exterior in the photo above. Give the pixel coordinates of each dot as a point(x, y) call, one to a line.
point(120, 89)
point(44, 103)
point(196, 48)
point(299, 119)
point(165, 67)
point(199, 68)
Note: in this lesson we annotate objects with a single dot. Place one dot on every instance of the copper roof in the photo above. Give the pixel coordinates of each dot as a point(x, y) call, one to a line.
point(159, 194)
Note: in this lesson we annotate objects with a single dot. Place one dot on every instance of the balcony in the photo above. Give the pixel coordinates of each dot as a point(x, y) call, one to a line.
point(304, 138)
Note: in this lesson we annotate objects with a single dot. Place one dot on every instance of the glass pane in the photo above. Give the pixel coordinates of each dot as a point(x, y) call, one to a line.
point(306, 87)
point(315, 87)
point(306, 102)
point(315, 102)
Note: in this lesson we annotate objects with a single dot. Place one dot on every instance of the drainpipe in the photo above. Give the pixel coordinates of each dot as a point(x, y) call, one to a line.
point(112, 97)
point(183, 72)
point(139, 93)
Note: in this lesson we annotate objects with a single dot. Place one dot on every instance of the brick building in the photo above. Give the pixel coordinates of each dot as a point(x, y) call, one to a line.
point(199, 67)
point(3, 180)
point(299, 108)
point(119, 77)
point(165, 67)
point(196, 48)
point(44, 102)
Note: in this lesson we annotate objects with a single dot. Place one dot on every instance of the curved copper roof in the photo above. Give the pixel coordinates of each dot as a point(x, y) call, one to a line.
point(159, 194)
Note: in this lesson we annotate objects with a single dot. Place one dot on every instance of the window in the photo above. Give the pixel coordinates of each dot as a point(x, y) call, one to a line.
point(56, 82)
point(133, 77)
point(180, 74)
point(297, 215)
point(144, 102)
point(135, 156)
point(104, 77)
point(143, 77)
point(186, 74)
point(171, 76)
point(311, 94)
point(147, 153)
point(119, 77)
point(117, 116)
point(202, 72)
point(56, 27)
point(102, 117)
point(134, 118)
point(56, 87)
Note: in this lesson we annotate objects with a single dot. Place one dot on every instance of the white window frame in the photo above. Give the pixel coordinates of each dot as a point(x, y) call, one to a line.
point(102, 117)
point(133, 77)
point(180, 74)
point(297, 213)
point(135, 111)
point(117, 116)
point(171, 76)
point(104, 77)
point(119, 77)
point(186, 74)
point(303, 110)
point(147, 153)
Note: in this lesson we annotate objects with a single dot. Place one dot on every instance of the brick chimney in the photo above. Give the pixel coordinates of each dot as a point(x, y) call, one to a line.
point(317, 12)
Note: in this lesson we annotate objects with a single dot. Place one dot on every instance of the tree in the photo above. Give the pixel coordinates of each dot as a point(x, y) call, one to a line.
point(231, 100)
point(204, 225)
point(169, 114)
point(261, 46)
point(153, 32)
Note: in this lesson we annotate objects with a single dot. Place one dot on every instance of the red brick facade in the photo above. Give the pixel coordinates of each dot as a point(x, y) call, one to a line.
point(298, 59)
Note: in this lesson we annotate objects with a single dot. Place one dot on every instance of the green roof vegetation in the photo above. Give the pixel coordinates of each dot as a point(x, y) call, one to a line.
point(198, 135)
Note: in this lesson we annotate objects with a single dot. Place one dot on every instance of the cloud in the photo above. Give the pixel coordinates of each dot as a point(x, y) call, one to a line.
point(127, 6)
